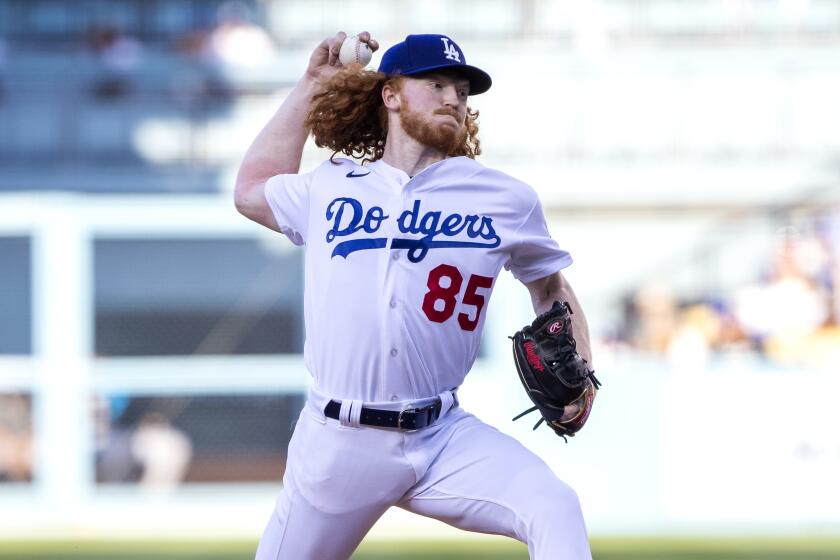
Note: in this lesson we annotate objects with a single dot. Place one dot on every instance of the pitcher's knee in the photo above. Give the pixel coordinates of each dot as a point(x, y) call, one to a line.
point(558, 501)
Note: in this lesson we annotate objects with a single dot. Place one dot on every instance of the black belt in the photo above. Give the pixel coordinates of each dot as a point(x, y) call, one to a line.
point(408, 419)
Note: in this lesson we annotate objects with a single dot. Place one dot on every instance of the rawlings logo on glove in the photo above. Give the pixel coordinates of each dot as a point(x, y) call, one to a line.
point(553, 373)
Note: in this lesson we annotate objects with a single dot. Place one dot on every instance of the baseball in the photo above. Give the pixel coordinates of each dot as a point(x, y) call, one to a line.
point(353, 51)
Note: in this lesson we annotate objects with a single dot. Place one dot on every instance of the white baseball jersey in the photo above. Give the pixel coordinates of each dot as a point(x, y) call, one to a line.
point(399, 270)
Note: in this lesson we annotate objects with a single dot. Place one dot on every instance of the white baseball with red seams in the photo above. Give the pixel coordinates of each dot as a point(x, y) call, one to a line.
point(354, 51)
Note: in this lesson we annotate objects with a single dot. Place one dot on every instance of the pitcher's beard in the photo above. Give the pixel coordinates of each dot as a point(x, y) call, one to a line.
point(441, 138)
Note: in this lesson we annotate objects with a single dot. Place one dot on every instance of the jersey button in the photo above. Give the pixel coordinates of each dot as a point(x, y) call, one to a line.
point(395, 256)
point(395, 397)
point(394, 351)
point(393, 303)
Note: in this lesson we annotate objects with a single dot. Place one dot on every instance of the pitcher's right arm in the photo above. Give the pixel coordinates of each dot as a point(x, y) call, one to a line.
point(278, 147)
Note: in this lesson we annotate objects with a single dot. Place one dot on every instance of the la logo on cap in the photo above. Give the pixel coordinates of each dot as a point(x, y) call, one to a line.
point(450, 51)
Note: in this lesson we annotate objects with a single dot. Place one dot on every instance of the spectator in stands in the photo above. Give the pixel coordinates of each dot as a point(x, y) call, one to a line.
point(697, 333)
point(236, 40)
point(163, 450)
point(15, 438)
point(656, 315)
point(114, 460)
point(118, 56)
point(831, 234)
point(790, 315)
point(785, 310)
point(216, 54)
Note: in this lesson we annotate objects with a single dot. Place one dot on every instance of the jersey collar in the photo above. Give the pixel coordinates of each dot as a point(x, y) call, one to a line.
point(453, 167)
point(388, 172)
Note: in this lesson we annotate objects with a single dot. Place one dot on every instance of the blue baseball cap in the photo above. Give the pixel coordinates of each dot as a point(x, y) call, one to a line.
point(419, 54)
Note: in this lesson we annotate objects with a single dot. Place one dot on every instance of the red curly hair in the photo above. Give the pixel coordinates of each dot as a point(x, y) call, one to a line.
point(348, 116)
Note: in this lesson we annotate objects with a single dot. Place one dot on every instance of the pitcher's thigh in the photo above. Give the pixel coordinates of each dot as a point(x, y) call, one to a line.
point(486, 481)
point(338, 482)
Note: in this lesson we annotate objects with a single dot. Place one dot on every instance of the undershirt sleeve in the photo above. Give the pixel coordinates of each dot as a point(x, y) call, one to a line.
point(536, 254)
point(288, 197)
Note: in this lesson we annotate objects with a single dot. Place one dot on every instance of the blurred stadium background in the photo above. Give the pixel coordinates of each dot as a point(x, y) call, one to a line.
point(687, 153)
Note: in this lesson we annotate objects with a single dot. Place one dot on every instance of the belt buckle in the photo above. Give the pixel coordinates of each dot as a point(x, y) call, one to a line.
point(428, 409)
point(400, 418)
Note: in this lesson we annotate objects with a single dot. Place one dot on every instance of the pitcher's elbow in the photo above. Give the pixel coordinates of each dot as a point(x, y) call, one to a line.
point(238, 199)
point(243, 199)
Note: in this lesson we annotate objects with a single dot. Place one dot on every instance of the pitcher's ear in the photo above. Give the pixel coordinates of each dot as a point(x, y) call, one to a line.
point(391, 91)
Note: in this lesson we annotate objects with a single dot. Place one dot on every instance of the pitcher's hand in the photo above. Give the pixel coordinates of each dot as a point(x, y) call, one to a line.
point(324, 63)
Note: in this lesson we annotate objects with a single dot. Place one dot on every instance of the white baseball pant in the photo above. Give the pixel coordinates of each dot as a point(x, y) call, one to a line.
point(340, 479)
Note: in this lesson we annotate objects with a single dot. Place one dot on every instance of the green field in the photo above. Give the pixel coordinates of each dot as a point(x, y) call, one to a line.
point(602, 549)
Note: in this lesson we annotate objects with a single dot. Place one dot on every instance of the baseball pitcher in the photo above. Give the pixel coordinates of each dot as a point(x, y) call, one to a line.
point(402, 254)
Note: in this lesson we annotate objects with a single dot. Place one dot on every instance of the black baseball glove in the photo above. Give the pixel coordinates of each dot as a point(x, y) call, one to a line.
point(553, 373)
